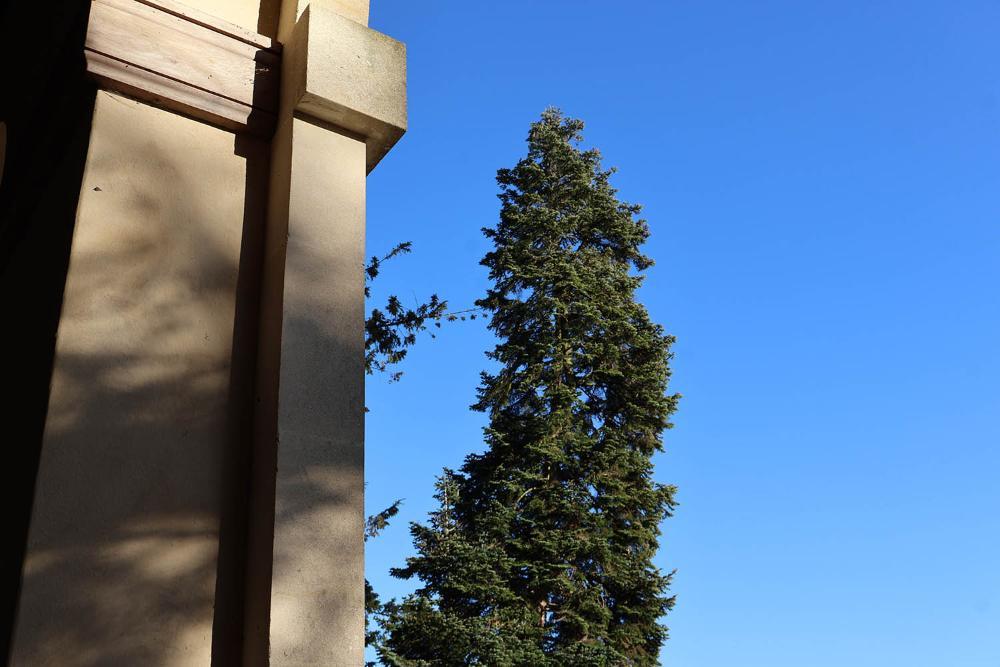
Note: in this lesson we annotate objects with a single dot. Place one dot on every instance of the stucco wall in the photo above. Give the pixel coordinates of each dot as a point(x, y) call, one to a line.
point(148, 412)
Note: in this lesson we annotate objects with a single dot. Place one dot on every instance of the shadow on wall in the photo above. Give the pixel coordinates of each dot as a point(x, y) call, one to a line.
point(146, 412)
point(137, 549)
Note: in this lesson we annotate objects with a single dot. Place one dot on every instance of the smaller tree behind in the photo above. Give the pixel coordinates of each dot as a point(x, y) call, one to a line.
point(540, 552)
point(388, 335)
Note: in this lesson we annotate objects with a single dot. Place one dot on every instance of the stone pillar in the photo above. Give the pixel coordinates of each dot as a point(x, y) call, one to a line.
point(123, 563)
point(213, 305)
point(342, 107)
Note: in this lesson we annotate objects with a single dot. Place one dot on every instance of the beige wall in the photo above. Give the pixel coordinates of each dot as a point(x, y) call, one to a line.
point(317, 577)
point(146, 408)
point(199, 497)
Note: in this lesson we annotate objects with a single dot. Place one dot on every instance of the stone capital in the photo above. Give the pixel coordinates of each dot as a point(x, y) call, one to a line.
point(291, 10)
point(344, 74)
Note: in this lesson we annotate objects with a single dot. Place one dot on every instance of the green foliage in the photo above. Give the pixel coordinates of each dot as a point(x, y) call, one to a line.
point(374, 525)
point(389, 332)
point(540, 551)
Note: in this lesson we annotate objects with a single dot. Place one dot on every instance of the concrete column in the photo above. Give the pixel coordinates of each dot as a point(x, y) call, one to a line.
point(123, 559)
point(342, 108)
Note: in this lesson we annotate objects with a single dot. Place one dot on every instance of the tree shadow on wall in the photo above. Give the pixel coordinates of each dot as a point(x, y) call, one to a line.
point(139, 527)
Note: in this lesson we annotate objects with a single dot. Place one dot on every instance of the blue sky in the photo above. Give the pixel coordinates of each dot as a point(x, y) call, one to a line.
point(822, 181)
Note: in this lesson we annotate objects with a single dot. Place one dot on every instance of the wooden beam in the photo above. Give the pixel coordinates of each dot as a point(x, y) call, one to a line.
point(178, 58)
point(213, 23)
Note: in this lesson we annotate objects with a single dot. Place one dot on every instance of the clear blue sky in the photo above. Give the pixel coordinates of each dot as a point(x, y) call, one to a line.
point(822, 180)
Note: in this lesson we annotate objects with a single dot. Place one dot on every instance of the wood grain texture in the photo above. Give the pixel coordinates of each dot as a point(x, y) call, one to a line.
point(213, 23)
point(178, 58)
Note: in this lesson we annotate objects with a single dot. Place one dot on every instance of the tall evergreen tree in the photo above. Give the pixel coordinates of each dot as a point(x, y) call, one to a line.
point(540, 552)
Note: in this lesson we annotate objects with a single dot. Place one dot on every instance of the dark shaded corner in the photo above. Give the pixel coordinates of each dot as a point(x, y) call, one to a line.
point(267, 18)
point(262, 443)
point(236, 595)
point(230, 588)
point(47, 109)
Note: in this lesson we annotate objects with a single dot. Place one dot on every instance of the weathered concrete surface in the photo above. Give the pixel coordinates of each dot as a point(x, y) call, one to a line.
point(350, 76)
point(127, 557)
point(305, 594)
point(306, 572)
point(317, 587)
point(292, 10)
point(121, 566)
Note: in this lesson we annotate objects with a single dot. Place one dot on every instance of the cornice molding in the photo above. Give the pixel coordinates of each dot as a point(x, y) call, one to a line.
point(333, 69)
point(184, 60)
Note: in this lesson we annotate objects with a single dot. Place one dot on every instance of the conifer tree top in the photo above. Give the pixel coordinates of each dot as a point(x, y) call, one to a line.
point(541, 550)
